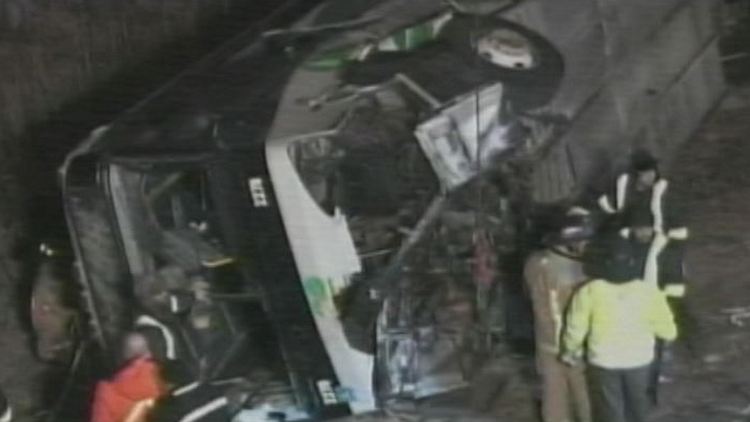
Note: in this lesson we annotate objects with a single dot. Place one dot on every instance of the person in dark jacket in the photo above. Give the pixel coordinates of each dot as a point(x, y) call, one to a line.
point(642, 198)
point(663, 267)
point(642, 205)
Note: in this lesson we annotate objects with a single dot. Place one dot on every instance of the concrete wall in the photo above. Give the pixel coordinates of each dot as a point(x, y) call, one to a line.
point(641, 72)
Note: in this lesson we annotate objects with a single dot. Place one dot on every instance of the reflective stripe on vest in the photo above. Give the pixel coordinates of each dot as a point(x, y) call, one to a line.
point(169, 341)
point(651, 270)
point(657, 194)
point(605, 205)
point(139, 411)
point(205, 410)
point(622, 191)
point(556, 316)
point(674, 290)
point(621, 194)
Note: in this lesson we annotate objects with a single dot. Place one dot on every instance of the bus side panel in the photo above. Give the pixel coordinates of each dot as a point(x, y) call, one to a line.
point(257, 236)
point(326, 258)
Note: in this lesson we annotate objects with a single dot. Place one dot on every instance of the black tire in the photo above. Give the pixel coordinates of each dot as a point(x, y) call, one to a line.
point(450, 66)
point(526, 88)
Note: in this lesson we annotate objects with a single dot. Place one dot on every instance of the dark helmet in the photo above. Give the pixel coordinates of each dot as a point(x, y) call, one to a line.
point(614, 258)
point(642, 160)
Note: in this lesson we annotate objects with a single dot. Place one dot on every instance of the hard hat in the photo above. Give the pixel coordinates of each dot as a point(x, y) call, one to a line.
point(578, 210)
point(574, 228)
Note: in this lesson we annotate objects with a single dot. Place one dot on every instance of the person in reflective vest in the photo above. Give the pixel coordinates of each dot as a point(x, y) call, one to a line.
point(633, 190)
point(641, 199)
point(663, 257)
point(552, 275)
point(131, 394)
point(643, 207)
point(614, 321)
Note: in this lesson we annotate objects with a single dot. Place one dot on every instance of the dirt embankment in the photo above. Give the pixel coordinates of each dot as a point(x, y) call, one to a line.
point(708, 380)
point(67, 66)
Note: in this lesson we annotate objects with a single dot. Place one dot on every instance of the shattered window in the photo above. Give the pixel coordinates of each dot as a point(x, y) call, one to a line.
point(168, 218)
point(316, 160)
point(373, 170)
point(178, 256)
point(178, 200)
point(403, 40)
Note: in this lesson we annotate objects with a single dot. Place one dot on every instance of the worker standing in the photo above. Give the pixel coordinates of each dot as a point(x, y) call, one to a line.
point(641, 199)
point(634, 195)
point(641, 204)
point(131, 394)
point(663, 255)
point(643, 207)
point(614, 322)
point(552, 275)
point(651, 219)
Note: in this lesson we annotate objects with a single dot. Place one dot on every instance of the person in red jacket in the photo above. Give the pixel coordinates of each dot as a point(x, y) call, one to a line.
point(132, 392)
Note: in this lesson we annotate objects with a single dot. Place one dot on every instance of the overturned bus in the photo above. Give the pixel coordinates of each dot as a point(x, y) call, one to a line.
point(334, 204)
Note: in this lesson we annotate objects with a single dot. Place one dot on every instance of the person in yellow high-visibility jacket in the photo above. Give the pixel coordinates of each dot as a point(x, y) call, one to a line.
point(614, 322)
